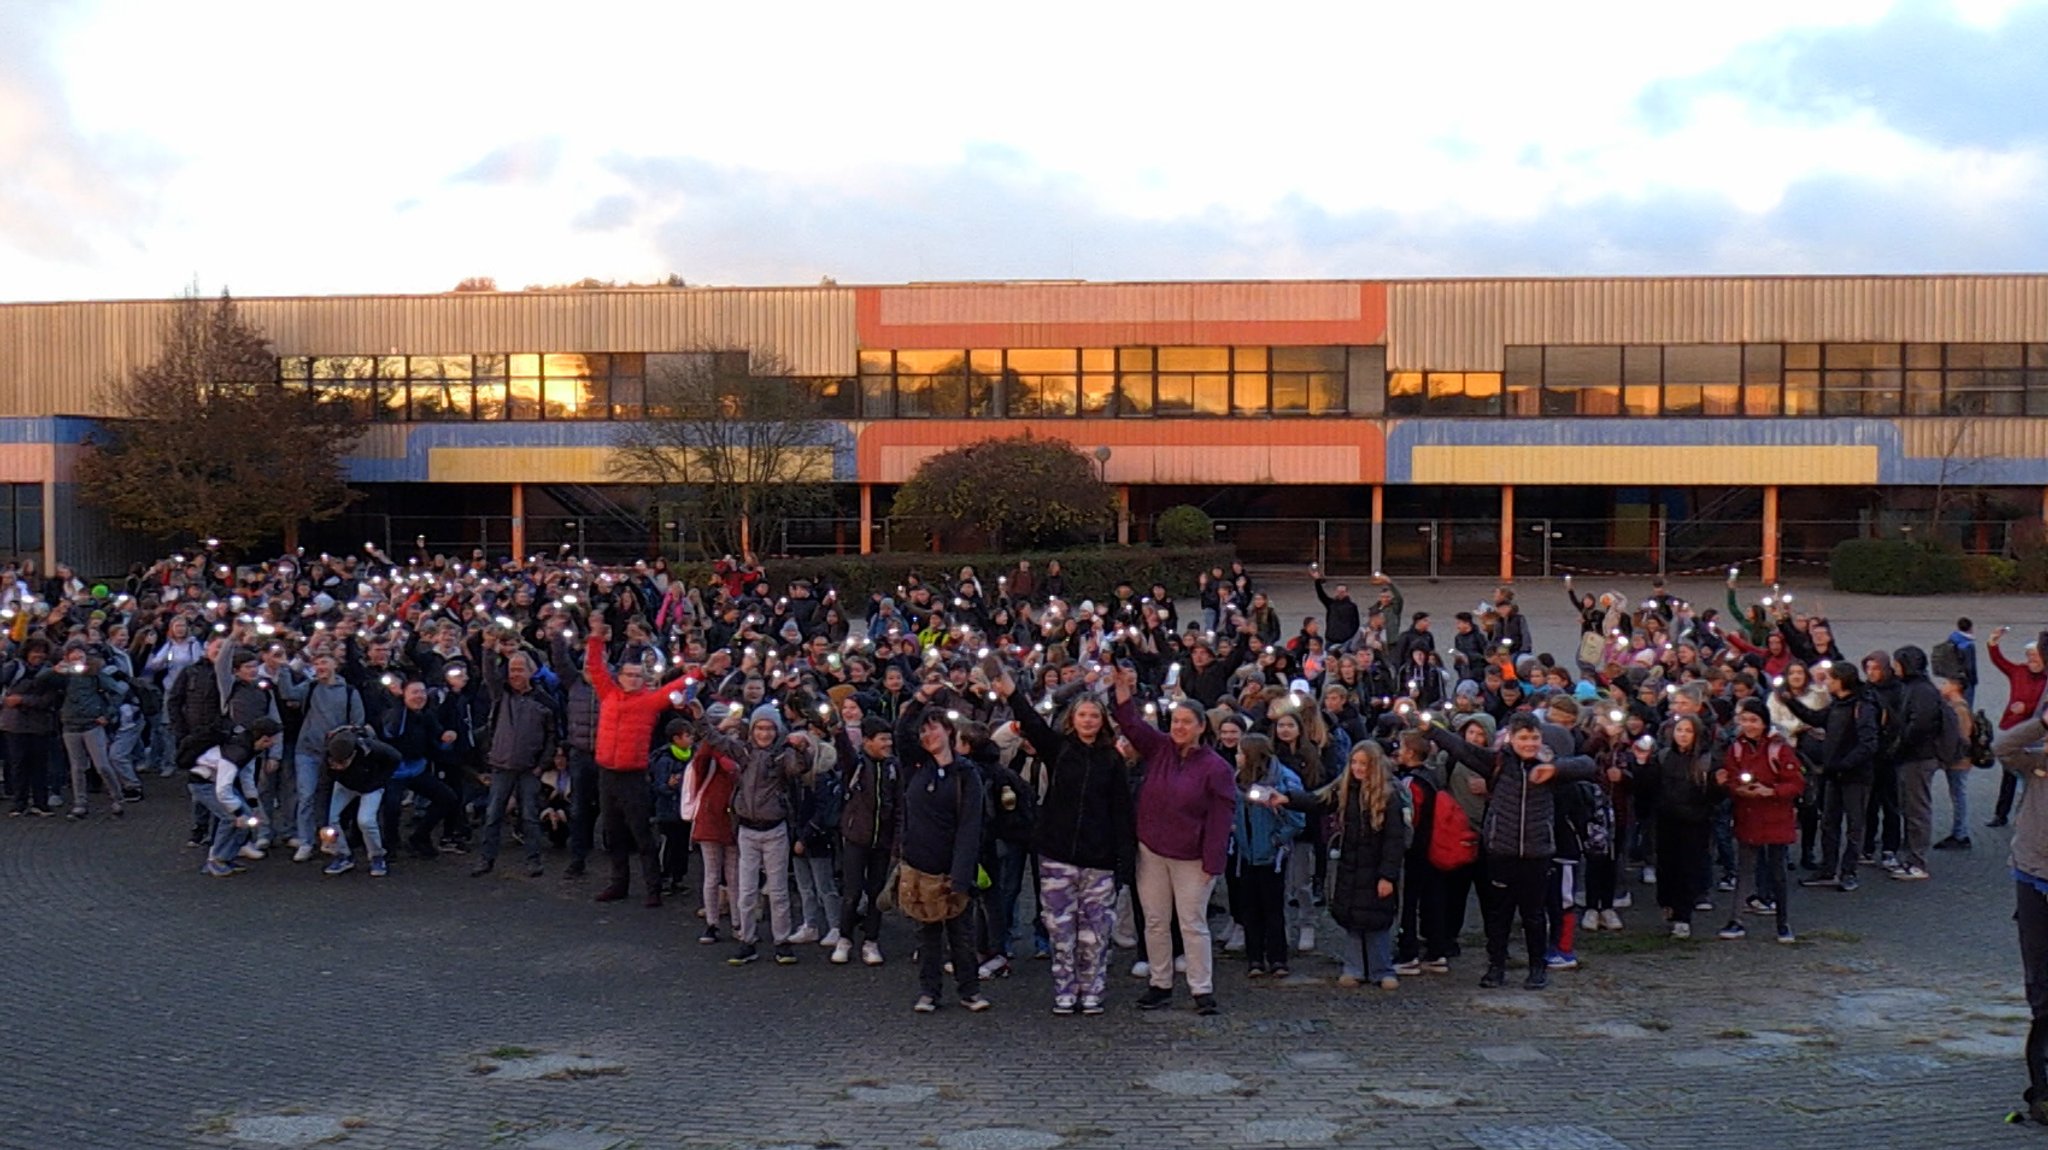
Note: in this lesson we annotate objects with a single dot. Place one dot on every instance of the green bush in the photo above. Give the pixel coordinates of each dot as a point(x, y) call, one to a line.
point(1894, 567)
point(1186, 526)
point(1990, 573)
point(1091, 572)
point(2030, 572)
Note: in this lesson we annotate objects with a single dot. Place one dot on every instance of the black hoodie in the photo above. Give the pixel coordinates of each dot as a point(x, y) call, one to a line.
point(1918, 713)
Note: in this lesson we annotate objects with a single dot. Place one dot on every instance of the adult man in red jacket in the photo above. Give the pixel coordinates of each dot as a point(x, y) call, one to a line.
point(627, 712)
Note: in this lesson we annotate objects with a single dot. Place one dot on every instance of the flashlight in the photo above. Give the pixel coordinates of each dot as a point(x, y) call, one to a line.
point(1614, 716)
point(1734, 572)
point(329, 834)
point(953, 715)
point(675, 698)
point(1256, 793)
point(250, 822)
point(1746, 777)
point(1777, 680)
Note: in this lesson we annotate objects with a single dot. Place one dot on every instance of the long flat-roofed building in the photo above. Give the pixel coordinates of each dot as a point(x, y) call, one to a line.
point(1450, 426)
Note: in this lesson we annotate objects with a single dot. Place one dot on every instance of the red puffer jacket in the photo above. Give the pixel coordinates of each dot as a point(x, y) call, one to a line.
point(625, 723)
point(1766, 821)
point(713, 823)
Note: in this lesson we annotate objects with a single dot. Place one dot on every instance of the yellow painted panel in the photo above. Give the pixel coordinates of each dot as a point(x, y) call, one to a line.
point(1635, 466)
point(568, 465)
point(518, 465)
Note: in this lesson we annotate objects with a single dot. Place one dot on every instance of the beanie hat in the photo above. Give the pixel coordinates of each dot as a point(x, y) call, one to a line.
point(767, 713)
point(1586, 692)
point(875, 725)
point(1754, 706)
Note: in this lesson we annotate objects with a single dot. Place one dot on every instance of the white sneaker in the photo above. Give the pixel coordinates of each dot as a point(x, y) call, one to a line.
point(831, 938)
point(992, 967)
point(1609, 920)
point(1306, 944)
point(1649, 874)
point(303, 854)
point(1141, 969)
point(1124, 941)
point(804, 933)
point(1624, 900)
point(871, 953)
point(1180, 964)
point(842, 951)
point(1236, 940)
point(1681, 930)
point(252, 852)
point(1590, 920)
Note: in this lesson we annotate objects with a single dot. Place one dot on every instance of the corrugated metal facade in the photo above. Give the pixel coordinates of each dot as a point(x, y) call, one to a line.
point(1463, 325)
point(1120, 315)
point(54, 358)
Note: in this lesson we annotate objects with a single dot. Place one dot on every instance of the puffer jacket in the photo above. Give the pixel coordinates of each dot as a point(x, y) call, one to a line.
point(1363, 855)
point(1919, 714)
point(1668, 789)
point(1773, 763)
point(716, 773)
point(37, 714)
point(1521, 818)
point(90, 699)
point(1086, 816)
point(625, 723)
point(1259, 835)
point(871, 791)
point(1849, 734)
point(580, 717)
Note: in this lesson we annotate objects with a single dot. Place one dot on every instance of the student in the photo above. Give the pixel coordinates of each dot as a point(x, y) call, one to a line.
point(1764, 778)
point(1367, 847)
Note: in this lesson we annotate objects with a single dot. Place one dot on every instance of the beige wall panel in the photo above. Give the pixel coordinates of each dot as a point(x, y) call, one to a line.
point(1462, 325)
point(53, 357)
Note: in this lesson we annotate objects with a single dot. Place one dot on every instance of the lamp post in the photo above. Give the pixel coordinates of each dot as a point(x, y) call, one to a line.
point(1102, 455)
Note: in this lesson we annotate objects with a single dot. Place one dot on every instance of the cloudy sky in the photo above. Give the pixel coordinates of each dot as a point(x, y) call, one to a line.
point(373, 147)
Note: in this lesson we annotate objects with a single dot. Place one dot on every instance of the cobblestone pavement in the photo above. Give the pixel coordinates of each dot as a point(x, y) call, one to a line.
point(151, 1007)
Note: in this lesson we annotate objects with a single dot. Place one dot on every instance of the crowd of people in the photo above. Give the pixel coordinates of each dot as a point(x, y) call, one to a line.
point(934, 750)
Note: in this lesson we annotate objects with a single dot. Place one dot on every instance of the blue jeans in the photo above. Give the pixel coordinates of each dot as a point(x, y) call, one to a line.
point(1003, 896)
point(1959, 803)
point(366, 819)
point(313, 786)
point(121, 750)
point(504, 784)
point(1370, 954)
point(228, 834)
point(161, 752)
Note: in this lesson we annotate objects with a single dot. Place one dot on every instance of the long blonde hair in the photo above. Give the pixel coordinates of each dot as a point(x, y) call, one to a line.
point(1372, 792)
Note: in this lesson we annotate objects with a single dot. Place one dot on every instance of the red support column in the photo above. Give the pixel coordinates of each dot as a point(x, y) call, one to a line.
point(1770, 572)
point(1507, 533)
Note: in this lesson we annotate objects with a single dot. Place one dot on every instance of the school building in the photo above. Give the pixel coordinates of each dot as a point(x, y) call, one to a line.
point(1495, 427)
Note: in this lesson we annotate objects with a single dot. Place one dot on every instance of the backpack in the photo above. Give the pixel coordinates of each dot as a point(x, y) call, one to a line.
point(1947, 660)
point(1013, 823)
point(1950, 747)
point(1980, 742)
point(1597, 831)
point(1452, 841)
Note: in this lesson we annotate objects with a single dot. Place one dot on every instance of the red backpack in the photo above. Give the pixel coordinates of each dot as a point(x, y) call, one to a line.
point(1452, 841)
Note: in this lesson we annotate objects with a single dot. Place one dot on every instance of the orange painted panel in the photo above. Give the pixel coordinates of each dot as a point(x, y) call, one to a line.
point(1152, 451)
point(1114, 315)
point(29, 462)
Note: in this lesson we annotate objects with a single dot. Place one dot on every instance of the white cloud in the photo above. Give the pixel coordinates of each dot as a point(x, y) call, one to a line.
point(319, 150)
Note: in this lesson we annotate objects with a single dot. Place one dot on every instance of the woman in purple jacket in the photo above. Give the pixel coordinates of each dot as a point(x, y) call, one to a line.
point(1185, 807)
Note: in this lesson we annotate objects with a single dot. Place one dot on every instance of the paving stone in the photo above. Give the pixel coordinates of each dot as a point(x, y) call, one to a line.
point(1619, 1030)
point(1986, 1046)
point(1421, 1099)
point(285, 1129)
point(1888, 1067)
point(1194, 1083)
point(1510, 1055)
point(577, 1139)
point(898, 1094)
point(1320, 1059)
point(1292, 1131)
point(1885, 1007)
point(999, 1138)
point(1542, 1138)
point(546, 1067)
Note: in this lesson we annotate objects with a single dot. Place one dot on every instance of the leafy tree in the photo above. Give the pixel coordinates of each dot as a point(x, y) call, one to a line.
point(1186, 526)
point(209, 444)
point(477, 284)
point(732, 441)
point(1021, 491)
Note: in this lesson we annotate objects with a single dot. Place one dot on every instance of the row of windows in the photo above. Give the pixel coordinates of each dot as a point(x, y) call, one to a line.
point(1714, 380)
point(1056, 383)
point(1721, 380)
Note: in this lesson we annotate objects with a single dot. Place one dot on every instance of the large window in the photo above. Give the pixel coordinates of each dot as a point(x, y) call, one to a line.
point(21, 520)
point(1728, 380)
point(1132, 382)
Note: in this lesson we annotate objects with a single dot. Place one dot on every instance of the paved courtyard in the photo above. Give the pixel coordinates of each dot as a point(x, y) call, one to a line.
point(150, 1007)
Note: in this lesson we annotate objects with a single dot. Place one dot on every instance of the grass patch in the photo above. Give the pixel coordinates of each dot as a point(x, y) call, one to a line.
point(1624, 942)
point(1734, 1032)
point(579, 1073)
point(513, 1052)
point(1831, 934)
point(1657, 1024)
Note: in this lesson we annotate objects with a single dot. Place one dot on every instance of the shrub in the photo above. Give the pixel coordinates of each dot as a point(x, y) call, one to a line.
point(2031, 571)
point(1894, 567)
point(1091, 573)
point(1990, 573)
point(1186, 526)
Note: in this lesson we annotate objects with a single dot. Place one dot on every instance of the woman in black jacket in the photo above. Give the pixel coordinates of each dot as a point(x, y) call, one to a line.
point(1086, 829)
point(1367, 848)
point(1679, 788)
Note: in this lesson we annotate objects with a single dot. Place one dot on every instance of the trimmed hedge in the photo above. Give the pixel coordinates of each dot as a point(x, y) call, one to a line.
point(1895, 567)
point(1186, 526)
point(1091, 572)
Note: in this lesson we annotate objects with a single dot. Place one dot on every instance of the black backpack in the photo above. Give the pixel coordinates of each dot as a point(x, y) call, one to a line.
point(1009, 805)
point(1980, 742)
point(1947, 660)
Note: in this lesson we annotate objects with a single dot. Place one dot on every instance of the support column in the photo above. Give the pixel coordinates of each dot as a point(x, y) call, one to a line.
point(49, 527)
point(1379, 510)
point(1123, 515)
point(1770, 572)
point(2044, 506)
point(1507, 533)
point(518, 523)
point(867, 519)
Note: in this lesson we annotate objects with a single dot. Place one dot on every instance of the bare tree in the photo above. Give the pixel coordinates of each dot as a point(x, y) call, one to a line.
point(735, 438)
